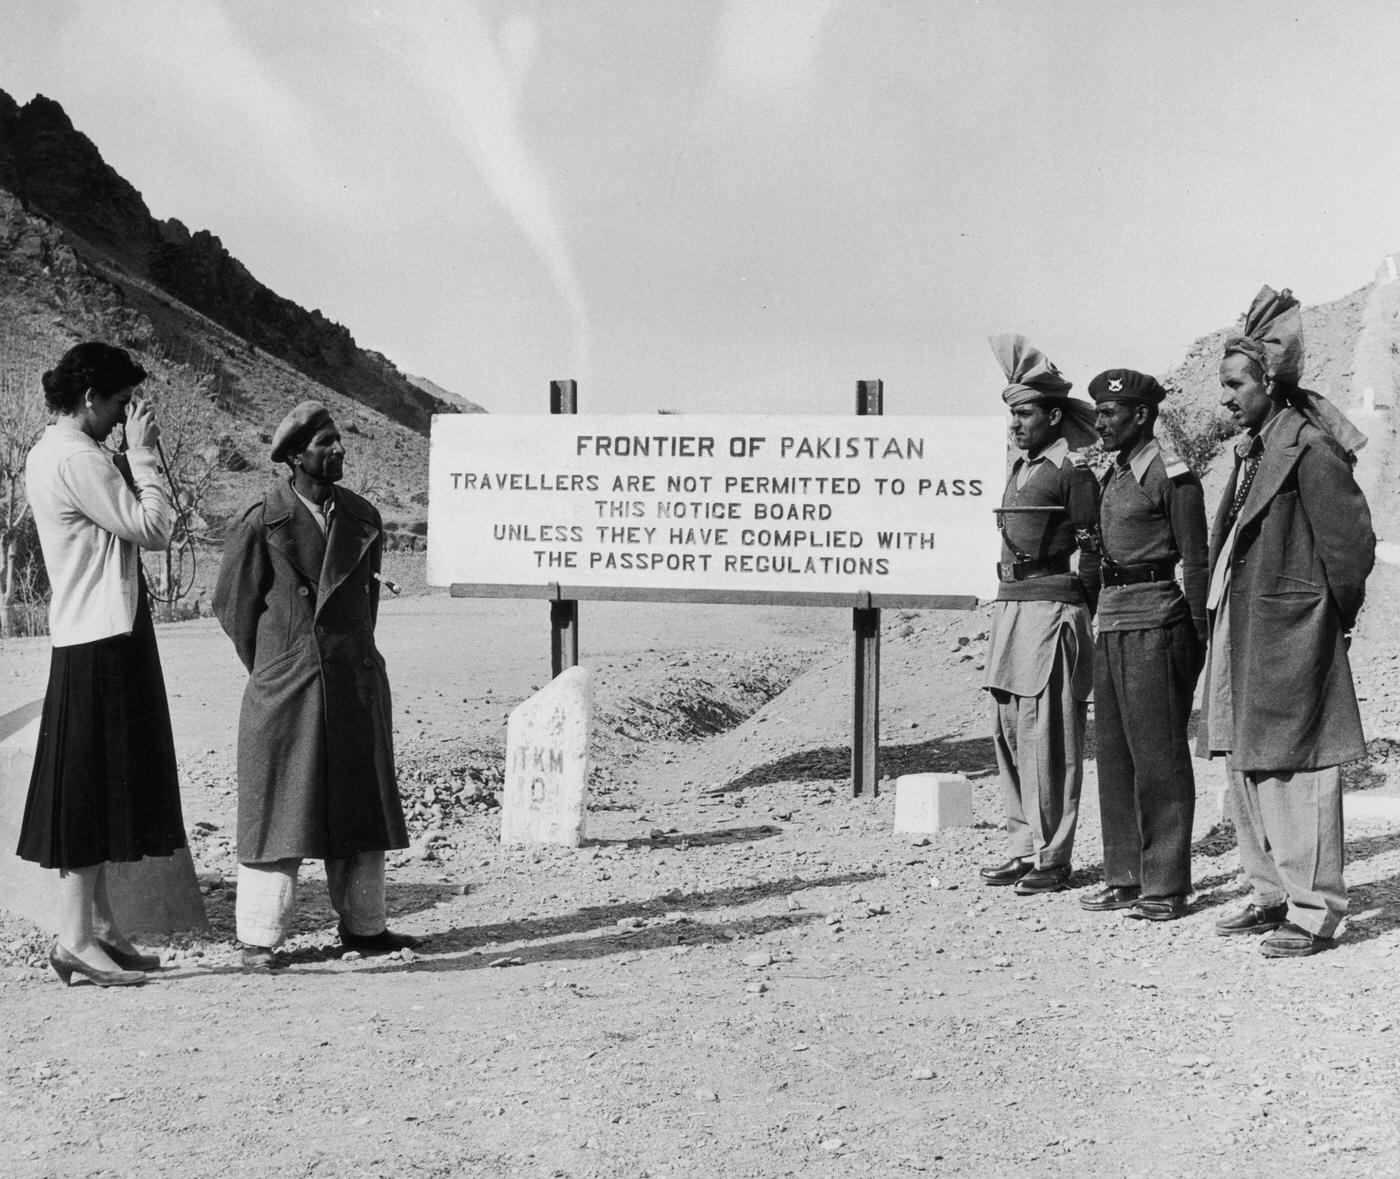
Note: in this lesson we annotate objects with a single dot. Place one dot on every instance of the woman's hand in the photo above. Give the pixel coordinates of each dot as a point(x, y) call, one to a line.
point(142, 429)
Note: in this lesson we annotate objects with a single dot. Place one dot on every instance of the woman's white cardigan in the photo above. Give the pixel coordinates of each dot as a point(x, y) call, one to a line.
point(90, 525)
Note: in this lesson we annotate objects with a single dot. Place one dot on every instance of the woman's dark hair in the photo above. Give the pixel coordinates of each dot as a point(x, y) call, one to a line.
point(94, 365)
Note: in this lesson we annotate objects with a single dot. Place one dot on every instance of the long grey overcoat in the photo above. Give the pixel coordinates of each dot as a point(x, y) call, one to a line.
point(1301, 558)
point(315, 736)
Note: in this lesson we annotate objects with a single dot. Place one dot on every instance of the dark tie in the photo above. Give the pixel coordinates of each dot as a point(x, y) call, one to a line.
point(1249, 466)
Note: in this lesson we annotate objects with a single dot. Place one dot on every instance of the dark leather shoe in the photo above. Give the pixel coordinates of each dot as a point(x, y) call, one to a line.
point(1009, 872)
point(130, 960)
point(383, 942)
point(1115, 896)
point(259, 960)
point(1159, 908)
point(1044, 880)
point(1293, 941)
point(1252, 919)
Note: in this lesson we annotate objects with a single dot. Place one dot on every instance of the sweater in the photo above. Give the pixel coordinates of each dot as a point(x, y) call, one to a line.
point(90, 526)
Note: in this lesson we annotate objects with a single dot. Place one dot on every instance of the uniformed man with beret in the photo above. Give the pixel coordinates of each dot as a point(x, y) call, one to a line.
point(1040, 657)
point(1150, 648)
point(298, 593)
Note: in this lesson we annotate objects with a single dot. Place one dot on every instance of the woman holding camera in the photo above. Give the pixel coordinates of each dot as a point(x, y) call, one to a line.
point(104, 787)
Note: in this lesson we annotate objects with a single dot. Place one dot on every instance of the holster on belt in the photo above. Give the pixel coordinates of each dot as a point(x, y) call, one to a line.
point(1027, 569)
point(1116, 574)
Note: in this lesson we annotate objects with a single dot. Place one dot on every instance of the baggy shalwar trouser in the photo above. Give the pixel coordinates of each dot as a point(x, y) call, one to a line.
point(1040, 752)
point(267, 896)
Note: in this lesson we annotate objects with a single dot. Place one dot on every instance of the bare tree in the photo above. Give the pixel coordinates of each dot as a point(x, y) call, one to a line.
point(22, 419)
point(195, 450)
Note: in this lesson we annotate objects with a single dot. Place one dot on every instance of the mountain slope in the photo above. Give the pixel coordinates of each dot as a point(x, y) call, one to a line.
point(57, 172)
point(206, 381)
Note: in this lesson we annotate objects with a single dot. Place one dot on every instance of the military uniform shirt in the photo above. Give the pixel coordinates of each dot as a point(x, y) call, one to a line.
point(1153, 512)
point(1031, 618)
point(1054, 479)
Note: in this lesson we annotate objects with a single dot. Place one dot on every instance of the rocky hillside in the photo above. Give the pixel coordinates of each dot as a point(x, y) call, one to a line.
point(58, 174)
point(209, 384)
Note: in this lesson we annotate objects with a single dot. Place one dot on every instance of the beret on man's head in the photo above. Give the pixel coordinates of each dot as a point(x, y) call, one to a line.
point(297, 428)
point(1125, 384)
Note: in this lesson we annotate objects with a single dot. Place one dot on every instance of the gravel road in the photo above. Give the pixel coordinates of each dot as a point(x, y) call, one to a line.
point(745, 972)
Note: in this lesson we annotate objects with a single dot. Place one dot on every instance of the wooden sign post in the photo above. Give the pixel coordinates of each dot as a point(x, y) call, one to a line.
point(563, 612)
point(865, 621)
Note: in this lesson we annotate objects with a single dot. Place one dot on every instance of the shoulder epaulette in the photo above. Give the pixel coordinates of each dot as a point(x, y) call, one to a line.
point(1176, 468)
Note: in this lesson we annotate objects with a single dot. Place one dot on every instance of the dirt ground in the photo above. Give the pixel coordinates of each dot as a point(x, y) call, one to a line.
point(744, 972)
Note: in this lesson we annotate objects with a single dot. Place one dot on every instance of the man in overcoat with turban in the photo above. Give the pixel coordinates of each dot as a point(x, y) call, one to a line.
point(1290, 551)
point(1040, 659)
point(298, 593)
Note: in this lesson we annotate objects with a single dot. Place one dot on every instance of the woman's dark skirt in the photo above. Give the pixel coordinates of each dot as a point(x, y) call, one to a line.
point(105, 786)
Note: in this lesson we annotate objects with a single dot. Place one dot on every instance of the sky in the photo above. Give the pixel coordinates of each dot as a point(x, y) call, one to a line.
point(739, 206)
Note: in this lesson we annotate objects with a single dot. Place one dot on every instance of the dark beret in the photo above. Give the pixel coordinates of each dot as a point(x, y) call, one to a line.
point(298, 427)
point(1123, 384)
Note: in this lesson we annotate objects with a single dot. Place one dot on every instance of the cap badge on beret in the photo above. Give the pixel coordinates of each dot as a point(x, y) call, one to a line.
point(1127, 385)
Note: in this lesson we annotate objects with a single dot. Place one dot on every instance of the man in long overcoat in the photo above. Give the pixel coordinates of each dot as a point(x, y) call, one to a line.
point(1289, 556)
point(298, 593)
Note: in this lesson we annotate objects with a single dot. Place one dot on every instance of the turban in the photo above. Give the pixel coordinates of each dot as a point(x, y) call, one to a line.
point(1124, 384)
point(1032, 377)
point(297, 428)
point(1272, 336)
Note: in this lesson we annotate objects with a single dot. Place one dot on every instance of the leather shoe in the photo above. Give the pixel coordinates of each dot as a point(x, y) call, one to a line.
point(1293, 941)
point(1115, 896)
point(1159, 908)
point(259, 960)
point(383, 942)
point(1253, 919)
point(66, 964)
point(1043, 880)
point(1009, 872)
point(130, 959)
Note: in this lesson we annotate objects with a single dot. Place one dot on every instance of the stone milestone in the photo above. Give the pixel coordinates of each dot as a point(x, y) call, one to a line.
point(546, 782)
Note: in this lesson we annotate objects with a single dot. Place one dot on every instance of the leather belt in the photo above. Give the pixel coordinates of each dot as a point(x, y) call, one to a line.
point(1115, 574)
point(1025, 570)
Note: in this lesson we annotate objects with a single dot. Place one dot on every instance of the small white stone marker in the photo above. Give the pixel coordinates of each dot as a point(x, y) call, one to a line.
point(930, 802)
point(546, 788)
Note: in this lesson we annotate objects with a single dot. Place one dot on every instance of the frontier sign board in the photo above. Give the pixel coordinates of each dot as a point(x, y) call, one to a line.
point(716, 508)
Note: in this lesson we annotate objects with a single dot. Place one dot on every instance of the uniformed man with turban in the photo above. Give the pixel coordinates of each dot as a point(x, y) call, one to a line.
point(298, 593)
point(1290, 552)
point(1149, 652)
point(1040, 660)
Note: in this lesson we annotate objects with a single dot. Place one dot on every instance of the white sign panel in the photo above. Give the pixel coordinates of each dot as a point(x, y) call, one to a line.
point(737, 504)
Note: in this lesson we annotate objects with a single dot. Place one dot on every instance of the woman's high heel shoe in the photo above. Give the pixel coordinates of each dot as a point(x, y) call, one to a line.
point(130, 959)
point(66, 965)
